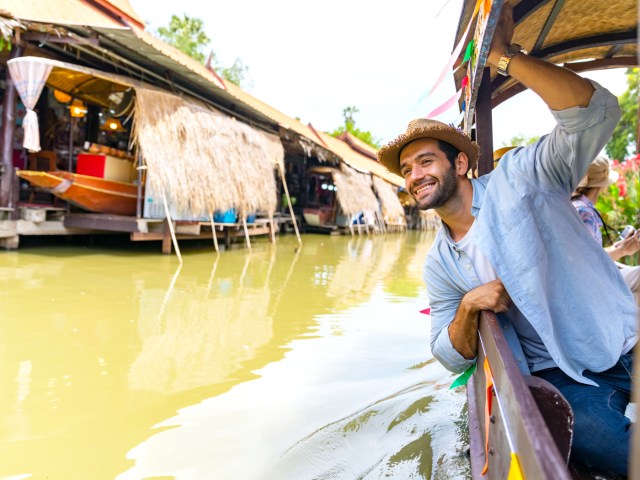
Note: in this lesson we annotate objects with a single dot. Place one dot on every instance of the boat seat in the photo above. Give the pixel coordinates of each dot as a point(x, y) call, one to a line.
point(555, 410)
point(42, 161)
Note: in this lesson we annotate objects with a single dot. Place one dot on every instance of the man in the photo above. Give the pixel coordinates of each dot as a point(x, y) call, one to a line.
point(512, 243)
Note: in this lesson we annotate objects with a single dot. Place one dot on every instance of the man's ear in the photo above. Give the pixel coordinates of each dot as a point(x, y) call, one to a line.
point(462, 164)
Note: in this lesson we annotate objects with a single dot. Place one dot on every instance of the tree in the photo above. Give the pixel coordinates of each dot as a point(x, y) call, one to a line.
point(350, 127)
point(623, 141)
point(521, 140)
point(186, 35)
point(236, 73)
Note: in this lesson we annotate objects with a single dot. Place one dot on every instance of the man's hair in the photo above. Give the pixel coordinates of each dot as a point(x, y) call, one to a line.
point(582, 191)
point(450, 151)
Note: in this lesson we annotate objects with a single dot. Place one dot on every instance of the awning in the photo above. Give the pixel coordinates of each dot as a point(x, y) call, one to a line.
point(31, 73)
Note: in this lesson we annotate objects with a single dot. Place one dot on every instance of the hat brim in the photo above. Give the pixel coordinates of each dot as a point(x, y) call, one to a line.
point(389, 155)
point(605, 182)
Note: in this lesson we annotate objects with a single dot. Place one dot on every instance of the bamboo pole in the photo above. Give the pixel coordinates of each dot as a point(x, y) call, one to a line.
point(170, 222)
point(272, 230)
point(286, 191)
point(246, 231)
point(213, 233)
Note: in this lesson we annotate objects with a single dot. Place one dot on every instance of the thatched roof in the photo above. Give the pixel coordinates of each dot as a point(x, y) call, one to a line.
point(391, 206)
point(354, 192)
point(582, 34)
point(203, 159)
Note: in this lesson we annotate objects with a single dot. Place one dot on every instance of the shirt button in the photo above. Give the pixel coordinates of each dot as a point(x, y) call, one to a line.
point(468, 266)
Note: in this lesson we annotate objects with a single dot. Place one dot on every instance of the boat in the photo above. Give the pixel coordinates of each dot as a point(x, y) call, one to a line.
point(520, 426)
point(94, 194)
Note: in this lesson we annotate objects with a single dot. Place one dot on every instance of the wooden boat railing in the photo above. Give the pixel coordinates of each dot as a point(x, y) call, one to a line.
point(529, 417)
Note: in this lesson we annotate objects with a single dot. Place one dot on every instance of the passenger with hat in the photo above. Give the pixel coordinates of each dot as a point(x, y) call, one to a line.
point(597, 179)
point(512, 243)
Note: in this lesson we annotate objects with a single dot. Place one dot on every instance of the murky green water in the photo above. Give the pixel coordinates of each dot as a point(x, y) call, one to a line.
point(282, 363)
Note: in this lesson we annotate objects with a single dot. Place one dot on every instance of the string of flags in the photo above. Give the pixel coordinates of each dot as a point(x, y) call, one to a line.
point(468, 58)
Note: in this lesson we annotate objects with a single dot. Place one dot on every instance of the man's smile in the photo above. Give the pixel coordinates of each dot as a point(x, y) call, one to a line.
point(424, 188)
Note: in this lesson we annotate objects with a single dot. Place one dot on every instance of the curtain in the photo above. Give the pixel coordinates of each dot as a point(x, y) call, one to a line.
point(29, 78)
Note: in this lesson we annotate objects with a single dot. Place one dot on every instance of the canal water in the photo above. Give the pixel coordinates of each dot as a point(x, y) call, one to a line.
point(283, 363)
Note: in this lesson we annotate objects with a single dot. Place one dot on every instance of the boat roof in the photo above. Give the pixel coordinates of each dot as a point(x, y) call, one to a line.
point(581, 35)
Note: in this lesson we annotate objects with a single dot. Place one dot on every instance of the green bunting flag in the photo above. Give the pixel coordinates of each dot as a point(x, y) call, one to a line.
point(464, 377)
point(467, 52)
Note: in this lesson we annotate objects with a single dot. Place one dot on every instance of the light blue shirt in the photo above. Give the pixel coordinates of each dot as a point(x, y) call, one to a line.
point(563, 283)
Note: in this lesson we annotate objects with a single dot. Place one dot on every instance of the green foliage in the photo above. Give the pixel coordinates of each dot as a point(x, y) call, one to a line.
point(236, 73)
point(521, 140)
point(623, 139)
point(350, 127)
point(186, 34)
point(5, 43)
point(620, 203)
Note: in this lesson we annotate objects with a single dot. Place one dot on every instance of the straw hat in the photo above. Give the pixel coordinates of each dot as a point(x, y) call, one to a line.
point(599, 174)
point(499, 153)
point(389, 155)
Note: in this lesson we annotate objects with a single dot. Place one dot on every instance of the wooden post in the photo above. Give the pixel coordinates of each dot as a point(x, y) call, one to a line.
point(72, 122)
point(7, 172)
point(484, 128)
point(293, 215)
point(139, 168)
point(634, 467)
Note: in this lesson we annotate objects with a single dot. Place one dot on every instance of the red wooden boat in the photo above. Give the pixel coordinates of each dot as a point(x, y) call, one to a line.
point(90, 193)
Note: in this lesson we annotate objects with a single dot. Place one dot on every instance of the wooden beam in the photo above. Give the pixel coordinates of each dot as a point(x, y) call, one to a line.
point(101, 221)
point(53, 38)
point(7, 172)
point(628, 37)
point(484, 125)
point(551, 19)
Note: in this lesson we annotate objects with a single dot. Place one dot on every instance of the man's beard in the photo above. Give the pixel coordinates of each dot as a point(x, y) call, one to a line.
point(444, 190)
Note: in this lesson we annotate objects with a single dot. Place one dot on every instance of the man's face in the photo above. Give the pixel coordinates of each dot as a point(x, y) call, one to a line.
point(428, 174)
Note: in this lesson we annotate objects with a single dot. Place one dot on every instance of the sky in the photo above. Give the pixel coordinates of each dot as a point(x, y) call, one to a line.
point(311, 60)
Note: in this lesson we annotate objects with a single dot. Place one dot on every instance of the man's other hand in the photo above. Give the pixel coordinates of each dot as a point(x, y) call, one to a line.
point(490, 296)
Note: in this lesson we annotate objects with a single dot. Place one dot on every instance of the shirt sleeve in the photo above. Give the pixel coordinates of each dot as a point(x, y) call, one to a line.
point(561, 158)
point(444, 300)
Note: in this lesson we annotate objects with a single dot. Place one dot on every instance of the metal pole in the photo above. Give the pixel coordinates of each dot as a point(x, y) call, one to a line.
point(7, 173)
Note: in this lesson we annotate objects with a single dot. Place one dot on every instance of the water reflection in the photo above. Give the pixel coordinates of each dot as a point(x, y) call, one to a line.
point(282, 362)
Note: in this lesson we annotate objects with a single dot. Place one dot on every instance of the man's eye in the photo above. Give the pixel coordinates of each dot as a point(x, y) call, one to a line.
point(405, 172)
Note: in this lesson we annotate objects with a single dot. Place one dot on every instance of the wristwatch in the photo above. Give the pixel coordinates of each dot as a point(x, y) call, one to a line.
point(503, 64)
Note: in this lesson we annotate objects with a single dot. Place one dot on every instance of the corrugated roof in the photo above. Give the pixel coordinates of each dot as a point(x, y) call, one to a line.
point(123, 7)
point(144, 48)
point(60, 12)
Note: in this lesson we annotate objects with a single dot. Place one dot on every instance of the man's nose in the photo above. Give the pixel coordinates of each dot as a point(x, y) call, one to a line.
point(416, 173)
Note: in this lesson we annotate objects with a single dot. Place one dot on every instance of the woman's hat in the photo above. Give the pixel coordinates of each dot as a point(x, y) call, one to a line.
point(599, 174)
point(389, 155)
